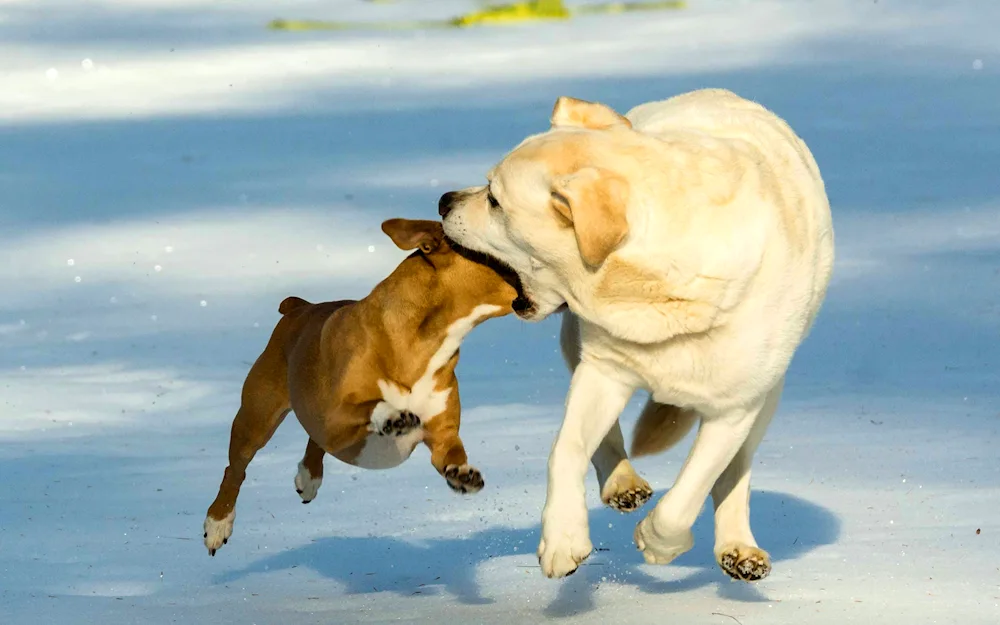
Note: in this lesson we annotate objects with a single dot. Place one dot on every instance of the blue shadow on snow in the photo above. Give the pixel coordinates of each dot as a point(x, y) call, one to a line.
point(787, 526)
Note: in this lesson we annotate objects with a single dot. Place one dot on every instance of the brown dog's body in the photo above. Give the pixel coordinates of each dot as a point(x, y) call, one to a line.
point(370, 379)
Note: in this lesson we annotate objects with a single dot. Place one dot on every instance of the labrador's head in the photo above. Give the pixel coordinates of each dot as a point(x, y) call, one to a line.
point(554, 208)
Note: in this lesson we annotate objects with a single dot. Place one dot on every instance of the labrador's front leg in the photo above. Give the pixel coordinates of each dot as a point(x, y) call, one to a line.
point(596, 399)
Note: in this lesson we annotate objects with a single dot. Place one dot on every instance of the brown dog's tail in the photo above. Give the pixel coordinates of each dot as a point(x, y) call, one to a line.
point(289, 304)
point(660, 427)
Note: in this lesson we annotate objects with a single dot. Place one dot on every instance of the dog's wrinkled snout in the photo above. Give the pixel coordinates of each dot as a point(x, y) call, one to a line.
point(446, 202)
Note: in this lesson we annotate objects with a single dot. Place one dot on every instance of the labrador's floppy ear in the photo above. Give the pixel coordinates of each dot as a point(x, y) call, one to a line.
point(582, 114)
point(409, 234)
point(594, 200)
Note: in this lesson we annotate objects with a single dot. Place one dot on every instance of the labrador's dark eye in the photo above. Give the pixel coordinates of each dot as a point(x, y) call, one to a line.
point(491, 199)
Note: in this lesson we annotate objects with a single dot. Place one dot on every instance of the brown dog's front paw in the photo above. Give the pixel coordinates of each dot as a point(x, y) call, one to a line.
point(403, 423)
point(463, 478)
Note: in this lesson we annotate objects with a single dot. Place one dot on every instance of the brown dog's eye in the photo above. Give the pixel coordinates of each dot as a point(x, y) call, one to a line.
point(492, 200)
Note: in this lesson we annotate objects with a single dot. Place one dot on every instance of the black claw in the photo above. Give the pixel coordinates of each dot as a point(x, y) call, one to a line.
point(305, 501)
point(206, 534)
point(225, 541)
point(298, 490)
point(571, 572)
point(211, 552)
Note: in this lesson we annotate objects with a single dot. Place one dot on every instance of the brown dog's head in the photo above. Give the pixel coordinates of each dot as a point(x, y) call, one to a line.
point(470, 279)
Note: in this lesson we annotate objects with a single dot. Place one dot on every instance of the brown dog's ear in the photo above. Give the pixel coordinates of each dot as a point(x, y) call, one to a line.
point(594, 201)
point(582, 114)
point(409, 234)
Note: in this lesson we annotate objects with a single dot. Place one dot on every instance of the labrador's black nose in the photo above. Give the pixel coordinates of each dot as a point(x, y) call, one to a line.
point(444, 204)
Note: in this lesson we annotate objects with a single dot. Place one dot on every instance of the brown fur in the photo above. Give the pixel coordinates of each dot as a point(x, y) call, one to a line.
point(324, 360)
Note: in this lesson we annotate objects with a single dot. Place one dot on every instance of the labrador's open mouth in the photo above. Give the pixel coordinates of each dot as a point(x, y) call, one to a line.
point(523, 305)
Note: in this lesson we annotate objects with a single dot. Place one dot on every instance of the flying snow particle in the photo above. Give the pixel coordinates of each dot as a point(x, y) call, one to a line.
point(87, 65)
point(977, 64)
point(204, 303)
point(256, 325)
point(77, 279)
point(52, 73)
point(70, 262)
point(169, 249)
point(157, 268)
point(371, 248)
point(152, 317)
point(114, 300)
point(434, 182)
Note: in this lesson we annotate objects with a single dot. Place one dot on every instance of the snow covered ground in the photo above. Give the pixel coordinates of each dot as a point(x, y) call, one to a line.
point(170, 169)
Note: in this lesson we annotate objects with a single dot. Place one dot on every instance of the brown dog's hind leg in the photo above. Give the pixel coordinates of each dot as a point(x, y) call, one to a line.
point(264, 405)
point(310, 474)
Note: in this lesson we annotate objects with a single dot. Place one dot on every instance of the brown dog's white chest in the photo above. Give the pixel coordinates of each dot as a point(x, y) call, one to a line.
point(423, 400)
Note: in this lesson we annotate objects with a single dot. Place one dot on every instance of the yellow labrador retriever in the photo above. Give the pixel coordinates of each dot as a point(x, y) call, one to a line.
point(691, 241)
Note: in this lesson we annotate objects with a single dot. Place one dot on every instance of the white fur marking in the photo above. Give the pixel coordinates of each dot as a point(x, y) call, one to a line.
point(381, 413)
point(306, 484)
point(219, 531)
point(386, 452)
point(423, 399)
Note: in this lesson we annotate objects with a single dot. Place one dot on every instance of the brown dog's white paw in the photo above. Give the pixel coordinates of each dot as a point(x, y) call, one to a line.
point(743, 562)
point(394, 424)
point(464, 478)
point(306, 485)
point(218, 531)
point(626, 492)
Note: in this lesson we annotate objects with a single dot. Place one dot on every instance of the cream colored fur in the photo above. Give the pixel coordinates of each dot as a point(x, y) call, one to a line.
point(725, 261)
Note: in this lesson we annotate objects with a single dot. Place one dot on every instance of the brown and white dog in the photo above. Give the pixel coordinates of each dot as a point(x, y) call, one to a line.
point(370, 379)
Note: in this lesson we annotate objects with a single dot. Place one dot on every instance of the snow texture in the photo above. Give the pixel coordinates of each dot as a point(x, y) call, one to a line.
point(171, 169)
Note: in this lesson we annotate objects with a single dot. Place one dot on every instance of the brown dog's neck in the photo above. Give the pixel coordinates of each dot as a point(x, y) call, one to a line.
point(413, 302)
